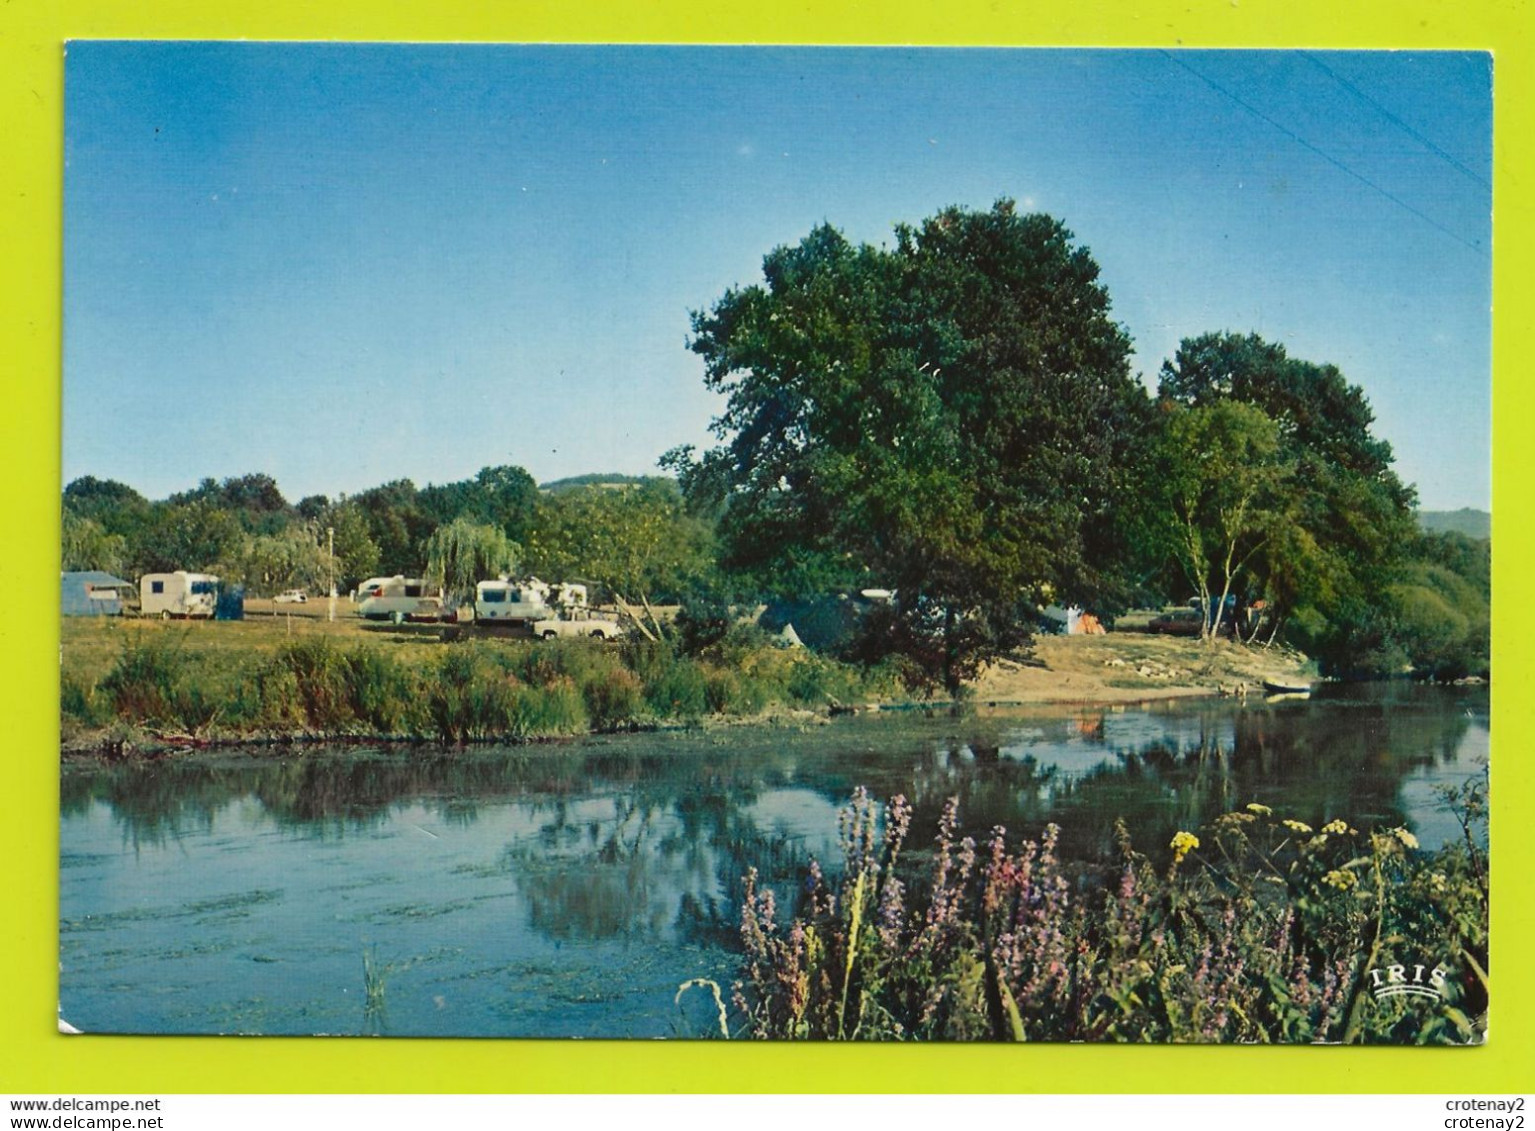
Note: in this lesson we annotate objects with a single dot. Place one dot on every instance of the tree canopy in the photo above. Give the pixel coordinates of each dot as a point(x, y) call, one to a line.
point(952, 417)
point(1328, 560)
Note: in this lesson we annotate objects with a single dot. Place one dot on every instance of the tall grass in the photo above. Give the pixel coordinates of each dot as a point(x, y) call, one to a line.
point(463, 692)
point(1269, 934)
point(152, 682)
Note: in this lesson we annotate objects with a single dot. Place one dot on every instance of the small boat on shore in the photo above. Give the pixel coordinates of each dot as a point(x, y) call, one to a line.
point(1290, 688)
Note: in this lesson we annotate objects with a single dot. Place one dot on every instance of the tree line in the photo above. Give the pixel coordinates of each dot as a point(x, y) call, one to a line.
point(952, 417)
point(638, 538)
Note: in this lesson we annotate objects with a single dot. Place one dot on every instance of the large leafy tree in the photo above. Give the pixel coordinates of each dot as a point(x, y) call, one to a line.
point(637, 540)
point(1223, 482)
point(465, 552)
point(86, 545)
point(253, 499)
point(115, 507)
point(953, 417)
point(344, 526)
point(504, 497)
point(398, 525)
point(198, 536)
point(1329, 566)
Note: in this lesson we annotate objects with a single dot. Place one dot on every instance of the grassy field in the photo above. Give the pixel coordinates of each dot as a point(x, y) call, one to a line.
point(129, 683)
point(288, 671)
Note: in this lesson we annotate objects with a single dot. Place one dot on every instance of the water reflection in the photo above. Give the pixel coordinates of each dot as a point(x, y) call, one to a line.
point(568, 889)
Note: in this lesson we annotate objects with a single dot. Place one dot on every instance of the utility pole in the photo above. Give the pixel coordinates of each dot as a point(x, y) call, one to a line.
point(330, 563)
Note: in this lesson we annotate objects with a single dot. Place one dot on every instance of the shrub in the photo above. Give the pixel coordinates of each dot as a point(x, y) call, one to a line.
point(78, 702)
point(678, 691)
point(556, 708)
point(321, 680)
point(382, 693)
point(613, 699)
point(143, 682)
point(473, 696)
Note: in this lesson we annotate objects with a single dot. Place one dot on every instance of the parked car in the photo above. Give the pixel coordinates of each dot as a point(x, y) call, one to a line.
point(1179, 622)
point(431, 610)
point(597, 627)
point(291, 597)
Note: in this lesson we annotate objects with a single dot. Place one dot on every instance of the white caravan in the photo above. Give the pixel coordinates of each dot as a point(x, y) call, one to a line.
point(179, 594)
point(513, 602)
point(384, 598)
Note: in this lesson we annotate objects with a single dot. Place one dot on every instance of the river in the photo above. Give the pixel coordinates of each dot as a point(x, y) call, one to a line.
point(568, 889)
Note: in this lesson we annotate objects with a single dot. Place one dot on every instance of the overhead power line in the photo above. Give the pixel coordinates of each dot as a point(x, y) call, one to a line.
point(1325, 156)
point(1389, 116)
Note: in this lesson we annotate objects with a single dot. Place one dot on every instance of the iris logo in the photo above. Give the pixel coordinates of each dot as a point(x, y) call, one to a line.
point(1408, 981)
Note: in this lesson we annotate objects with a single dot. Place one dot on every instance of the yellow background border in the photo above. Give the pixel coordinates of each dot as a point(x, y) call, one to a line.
point(34, 1058)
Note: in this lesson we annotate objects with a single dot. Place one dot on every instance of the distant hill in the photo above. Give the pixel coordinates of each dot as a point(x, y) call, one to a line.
point(597, 479)
point(1471, 523)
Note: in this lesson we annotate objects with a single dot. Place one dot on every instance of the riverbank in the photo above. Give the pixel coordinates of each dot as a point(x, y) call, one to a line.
point(152, 689)
point(1133, 667)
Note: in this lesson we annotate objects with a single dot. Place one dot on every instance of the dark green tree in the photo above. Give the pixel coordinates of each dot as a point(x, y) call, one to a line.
point(198, 536)
point(398, 525)
point(953, 417)
point(115, 507)
point(357, 554)
point(1328, 570)
point(505, 497)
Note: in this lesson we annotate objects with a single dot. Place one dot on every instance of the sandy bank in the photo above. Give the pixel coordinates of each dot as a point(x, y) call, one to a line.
point(1129, 667)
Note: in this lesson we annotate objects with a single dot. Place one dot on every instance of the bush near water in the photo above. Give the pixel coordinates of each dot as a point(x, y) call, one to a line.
point(180, 680)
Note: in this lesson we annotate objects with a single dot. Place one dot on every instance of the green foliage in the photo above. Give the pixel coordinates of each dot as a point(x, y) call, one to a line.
point(293, 558)
point(357, 554)
point(953, 418)
point(86, 545)
point(397, 525)
point(115, 507)
point(1223, 486)
point(635, 540)
point(152, 682)
point(504, 497)
point(79, 703)
point(383, 694)
point(463, 553)
point(1258, 930)
point(252, 500)
point(1329, 554)
point(322, 680)
point(677, 687)
point(473, 696)
point(614, 699)
point(197, 536)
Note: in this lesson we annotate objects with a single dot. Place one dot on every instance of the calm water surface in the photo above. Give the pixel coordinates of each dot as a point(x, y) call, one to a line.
point(567, 890)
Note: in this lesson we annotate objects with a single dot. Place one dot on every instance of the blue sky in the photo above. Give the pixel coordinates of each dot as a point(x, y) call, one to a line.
point(346, 264)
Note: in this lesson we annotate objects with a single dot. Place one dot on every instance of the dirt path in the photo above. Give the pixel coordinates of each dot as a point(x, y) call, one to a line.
point(1128, 667)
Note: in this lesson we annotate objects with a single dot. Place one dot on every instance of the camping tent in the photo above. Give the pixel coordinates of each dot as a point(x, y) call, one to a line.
point(93, 592)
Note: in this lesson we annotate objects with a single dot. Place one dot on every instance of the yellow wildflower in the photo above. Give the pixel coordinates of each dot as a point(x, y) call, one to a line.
point(1182, 844)
point(1335, 826)
point(1340, 879)
point(1407, 839)
point(1261, 810)
point(1297, 826)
